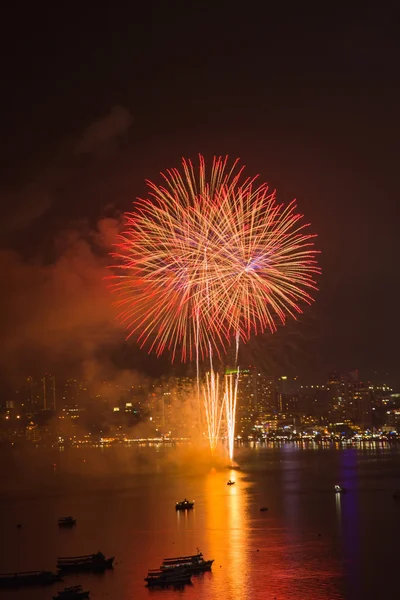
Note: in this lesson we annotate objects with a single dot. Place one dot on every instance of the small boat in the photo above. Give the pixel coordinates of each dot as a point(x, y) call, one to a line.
point(339, 490)
point(191, 567)
point(95, 563)
point(66, 522)
point(8, 580)
point(263, 509)
point(176, 577)
point(194, 563)
point(184, 505)
point(75, 592)
point(234, 467)
point(230, 482)
point(197, 556)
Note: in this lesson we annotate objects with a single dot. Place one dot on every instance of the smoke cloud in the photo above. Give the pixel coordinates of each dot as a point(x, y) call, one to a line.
point(101, 136)
point(63, 309)
point(58, 229)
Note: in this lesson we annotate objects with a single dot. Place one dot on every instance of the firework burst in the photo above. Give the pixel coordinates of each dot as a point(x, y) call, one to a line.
point(208, 257)
point(211, 257)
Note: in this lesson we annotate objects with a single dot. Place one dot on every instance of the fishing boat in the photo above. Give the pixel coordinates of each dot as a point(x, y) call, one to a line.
point(184, 505)
point(194, 563)
point(230, 482)
point(174, 578)
point(96, 563)
point(66, 522)
point(8, 580)
point(75, 592)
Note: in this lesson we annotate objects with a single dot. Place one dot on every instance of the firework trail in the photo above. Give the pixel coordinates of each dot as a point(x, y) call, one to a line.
point(208, 258)
point(230, 399)
point(213, 408)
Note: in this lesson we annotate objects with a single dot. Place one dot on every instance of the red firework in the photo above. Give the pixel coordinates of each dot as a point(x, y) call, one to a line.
point(211, 257)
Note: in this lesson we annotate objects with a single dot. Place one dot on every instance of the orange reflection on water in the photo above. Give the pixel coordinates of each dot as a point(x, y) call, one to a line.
point(227, 533)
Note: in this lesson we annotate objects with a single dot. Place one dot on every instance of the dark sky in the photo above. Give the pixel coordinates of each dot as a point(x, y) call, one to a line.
point(97, 100)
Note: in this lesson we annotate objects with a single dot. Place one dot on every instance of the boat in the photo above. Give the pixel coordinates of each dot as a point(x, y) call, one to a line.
point(184, 505)
point(234, 467)
point(96, 563)
point(230, 482)
point(75, 592)
point(263, 509)
point(174, 578)
point(191, 566)
point(196, 556)
point(8, 580)
point(66, 522)
point(194, 563)
point(339, 490)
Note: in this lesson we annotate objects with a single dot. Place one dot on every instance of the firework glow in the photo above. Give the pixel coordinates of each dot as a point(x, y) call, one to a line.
point(208, 258)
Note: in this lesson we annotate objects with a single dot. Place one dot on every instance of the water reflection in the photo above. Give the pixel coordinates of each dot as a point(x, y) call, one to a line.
point(227, 532)
point(291, 474)
point(338, 499)
point(350, 519)
point(237, 525)
point(186, 519)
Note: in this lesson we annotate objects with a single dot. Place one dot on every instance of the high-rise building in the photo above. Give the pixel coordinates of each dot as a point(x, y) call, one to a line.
point(246, 408)
point(363, 399)
point(341, 389)
point(265, 394)
point(49, 392)
point(354, 400)
point(314, 400)
point(29, 398)
point(287, 397)
point(74, 392)
point(336, 387)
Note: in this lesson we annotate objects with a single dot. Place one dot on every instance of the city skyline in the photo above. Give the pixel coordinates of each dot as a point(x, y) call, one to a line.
point(341, 396)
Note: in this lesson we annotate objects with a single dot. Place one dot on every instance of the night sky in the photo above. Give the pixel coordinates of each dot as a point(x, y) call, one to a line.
point(95, 101)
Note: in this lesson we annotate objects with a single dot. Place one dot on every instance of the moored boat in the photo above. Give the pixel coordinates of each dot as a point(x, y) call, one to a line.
point(194, 563)
point(174, 578)
point(66, 522)
point(75, 592)
point(192, 557)
point(184, 505)
point(192, 567)
point(8, 580)
point(90, 562)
